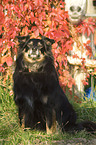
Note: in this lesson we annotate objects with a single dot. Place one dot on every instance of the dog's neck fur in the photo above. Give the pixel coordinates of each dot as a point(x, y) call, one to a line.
point(34, 67)
point(24, 66)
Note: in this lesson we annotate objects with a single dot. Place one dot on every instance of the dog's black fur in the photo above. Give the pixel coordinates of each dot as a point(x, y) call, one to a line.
point(37, 92)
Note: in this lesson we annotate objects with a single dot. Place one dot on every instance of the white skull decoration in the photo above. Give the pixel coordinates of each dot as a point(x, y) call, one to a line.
point(76, 10)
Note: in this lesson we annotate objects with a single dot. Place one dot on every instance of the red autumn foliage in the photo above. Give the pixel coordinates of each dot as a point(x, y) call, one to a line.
point(38, 17)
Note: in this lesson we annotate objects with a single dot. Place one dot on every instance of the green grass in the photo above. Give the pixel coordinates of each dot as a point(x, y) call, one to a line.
point(12, 134)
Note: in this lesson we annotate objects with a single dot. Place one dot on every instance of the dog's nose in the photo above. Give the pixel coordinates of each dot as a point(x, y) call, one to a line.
point(34, 49)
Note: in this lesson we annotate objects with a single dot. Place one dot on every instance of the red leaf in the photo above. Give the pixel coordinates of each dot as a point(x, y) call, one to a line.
point(32, 17)
point(88, 42)
point(41, 30)
point(1, 15)
point(92, 29)
point(1, 68)
point(9, 61)
point(36, 32)
point(88, 32)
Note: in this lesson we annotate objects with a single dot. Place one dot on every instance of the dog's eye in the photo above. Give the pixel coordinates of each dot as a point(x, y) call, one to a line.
point(26, 49)
point(30, 44)
point(39, 45)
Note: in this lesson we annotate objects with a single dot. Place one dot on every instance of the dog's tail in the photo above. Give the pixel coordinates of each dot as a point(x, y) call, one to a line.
point(89, 126)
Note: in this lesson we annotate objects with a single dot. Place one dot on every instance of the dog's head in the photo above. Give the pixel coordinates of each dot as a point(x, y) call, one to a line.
point(34, 50)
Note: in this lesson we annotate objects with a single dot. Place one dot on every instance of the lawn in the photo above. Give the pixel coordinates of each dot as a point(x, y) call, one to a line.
point(12, 134)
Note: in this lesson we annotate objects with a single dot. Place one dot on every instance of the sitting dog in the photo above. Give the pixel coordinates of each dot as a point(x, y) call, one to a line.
point(37, 93)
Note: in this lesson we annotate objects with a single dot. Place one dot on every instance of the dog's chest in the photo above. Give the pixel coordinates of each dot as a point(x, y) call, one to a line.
point(34, 67)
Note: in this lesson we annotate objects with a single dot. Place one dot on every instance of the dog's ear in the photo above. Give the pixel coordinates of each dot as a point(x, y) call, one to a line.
point(23, 38)
point(48, 40)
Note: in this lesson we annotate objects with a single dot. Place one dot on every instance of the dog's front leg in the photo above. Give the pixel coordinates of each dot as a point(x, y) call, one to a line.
point(21, 117)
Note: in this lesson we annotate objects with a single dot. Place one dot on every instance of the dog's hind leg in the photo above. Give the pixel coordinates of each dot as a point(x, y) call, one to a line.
point(50, 121)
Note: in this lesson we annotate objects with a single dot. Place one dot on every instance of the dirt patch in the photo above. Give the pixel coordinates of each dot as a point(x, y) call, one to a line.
point(75, 141)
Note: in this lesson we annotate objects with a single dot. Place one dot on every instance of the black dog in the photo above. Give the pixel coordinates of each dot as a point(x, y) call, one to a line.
point(37, 93)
